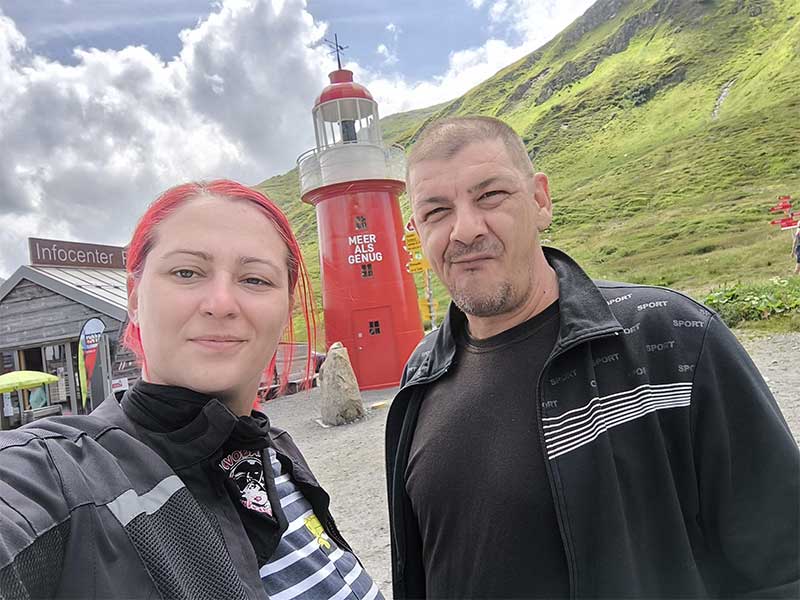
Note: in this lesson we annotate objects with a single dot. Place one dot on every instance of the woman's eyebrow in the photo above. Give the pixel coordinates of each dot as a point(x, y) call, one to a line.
point(198, 253)
point(246, 260)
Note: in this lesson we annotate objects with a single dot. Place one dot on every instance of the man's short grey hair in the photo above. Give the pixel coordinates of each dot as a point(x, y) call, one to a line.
point(444, 138)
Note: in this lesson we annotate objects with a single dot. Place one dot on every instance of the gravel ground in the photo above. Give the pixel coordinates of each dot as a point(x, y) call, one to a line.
point(348, 460)
point(778, 359)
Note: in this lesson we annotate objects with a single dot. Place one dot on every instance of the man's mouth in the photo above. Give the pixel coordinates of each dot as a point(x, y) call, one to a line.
point(467, 261)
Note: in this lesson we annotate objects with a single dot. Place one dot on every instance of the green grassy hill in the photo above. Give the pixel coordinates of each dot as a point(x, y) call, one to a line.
point(667, 128)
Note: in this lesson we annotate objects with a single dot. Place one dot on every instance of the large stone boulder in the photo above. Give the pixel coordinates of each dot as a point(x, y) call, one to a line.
point(341, 400)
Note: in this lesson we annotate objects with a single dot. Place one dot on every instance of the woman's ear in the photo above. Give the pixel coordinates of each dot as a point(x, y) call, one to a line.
point(133, 300)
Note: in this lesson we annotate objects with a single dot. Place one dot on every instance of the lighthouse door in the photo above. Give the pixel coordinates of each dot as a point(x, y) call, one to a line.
point(374, 357)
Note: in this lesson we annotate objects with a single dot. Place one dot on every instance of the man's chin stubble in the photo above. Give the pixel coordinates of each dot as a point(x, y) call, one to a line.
point(499, 302)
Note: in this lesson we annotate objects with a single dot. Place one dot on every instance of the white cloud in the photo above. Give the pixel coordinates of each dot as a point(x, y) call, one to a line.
point(498, 10)
point(389, 52)
point(389, 57)
point(88, 146)
point(466, 68)
point(476, 4)
point(536, 21)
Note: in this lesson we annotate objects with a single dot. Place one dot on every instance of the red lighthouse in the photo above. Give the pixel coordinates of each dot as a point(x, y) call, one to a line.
point(354, 180)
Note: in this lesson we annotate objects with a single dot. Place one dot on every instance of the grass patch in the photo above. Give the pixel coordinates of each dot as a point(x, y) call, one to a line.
point(779, 324)
point(755, 302)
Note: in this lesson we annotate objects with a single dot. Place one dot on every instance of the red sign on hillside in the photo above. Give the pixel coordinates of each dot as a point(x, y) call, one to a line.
point(784, 205)
point(781, 207)
point(785, 223)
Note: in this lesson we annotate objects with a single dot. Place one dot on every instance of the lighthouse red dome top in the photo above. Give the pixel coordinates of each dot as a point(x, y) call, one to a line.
point(342, 86)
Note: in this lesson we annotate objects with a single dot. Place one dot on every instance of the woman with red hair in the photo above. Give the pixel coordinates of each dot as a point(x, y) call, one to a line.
point(181, 489)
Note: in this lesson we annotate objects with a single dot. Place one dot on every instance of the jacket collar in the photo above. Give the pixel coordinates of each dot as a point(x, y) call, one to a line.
point(584, 310)
point(198, 441)
point(584, 313)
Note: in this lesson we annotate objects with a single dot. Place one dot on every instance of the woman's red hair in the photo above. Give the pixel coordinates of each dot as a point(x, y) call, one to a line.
point(143, 241)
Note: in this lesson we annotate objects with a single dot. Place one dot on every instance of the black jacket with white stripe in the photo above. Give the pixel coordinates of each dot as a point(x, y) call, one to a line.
point(96, 506)
point(672, 470)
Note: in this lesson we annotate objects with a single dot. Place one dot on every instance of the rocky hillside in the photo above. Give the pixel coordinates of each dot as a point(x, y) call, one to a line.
point(667, 128)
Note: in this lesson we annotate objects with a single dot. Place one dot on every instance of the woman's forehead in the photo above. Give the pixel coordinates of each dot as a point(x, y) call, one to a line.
point(220, 226)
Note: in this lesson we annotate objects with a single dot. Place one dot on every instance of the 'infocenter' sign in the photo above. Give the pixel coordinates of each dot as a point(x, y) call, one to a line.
point(58, 253)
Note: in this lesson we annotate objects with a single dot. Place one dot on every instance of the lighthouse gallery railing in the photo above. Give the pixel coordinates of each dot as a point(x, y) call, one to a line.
point(350, 161)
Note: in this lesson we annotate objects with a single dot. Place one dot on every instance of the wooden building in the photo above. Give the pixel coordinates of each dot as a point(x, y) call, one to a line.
point(42, 311)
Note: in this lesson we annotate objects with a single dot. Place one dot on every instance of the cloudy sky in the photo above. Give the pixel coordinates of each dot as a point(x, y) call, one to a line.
point(104, 103)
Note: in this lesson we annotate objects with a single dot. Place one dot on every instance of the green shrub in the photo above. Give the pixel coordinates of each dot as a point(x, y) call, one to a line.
point(756, 302)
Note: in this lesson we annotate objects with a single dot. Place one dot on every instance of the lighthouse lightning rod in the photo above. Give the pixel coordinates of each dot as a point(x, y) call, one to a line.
point(335, 47)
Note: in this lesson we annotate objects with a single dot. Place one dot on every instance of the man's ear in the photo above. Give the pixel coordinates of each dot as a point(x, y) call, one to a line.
point(541, 194)
point(133, 300)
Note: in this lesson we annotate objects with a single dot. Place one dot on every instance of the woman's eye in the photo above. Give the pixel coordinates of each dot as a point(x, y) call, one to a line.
point(257, 281)
point(184, 273)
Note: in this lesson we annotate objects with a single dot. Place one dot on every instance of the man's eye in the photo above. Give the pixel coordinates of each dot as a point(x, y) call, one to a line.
point(434, 212)
point(494, 194)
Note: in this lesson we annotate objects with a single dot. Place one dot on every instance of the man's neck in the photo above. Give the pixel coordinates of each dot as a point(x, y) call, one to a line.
point(544, 291)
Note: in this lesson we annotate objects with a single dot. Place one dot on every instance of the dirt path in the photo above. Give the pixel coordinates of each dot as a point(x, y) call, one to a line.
point(348, 460)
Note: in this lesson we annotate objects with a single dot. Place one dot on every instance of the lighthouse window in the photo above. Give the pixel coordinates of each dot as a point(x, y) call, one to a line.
point(366, 270)
point(361, 222)
point(349, 131)
point(374, 327)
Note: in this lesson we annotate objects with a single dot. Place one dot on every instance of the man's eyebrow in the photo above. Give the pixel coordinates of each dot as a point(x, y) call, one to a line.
point(484, 184)
point(475, 188)
point(432, 200)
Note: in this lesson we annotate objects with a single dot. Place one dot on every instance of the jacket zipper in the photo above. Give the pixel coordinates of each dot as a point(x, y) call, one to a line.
point(568, 550)
point(398, 535)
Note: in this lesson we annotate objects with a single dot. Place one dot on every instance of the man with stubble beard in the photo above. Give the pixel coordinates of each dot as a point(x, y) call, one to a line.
point(564, 437)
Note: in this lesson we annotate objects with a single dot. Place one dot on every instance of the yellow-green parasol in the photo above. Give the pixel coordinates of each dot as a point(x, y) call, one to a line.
point(24, 380)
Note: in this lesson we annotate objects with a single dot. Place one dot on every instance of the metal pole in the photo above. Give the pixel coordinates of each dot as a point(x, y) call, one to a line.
point(72, 388)
point(429, 297)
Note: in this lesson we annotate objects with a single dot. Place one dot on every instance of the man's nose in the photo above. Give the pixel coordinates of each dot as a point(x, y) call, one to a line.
point(469, 225)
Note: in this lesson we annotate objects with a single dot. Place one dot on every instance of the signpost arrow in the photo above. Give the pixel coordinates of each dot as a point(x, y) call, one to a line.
point(418, 266)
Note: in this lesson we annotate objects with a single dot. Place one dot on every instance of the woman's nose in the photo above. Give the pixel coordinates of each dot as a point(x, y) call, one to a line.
point(220, 298)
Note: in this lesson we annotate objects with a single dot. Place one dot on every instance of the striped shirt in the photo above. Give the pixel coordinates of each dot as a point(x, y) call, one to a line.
point(307, 563)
